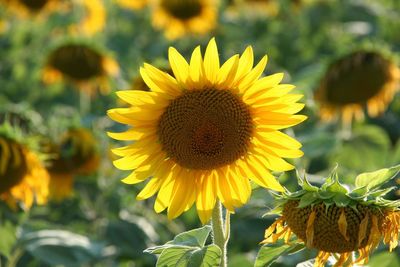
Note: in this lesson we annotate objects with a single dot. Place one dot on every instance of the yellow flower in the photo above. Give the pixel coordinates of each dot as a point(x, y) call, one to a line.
point(80, 64)
point(75, 154)
point(338, 222)
point(95, 18)
point(25, 8)
point(23, 178)
point(202, 132)
point(136, 4)
point(354, 81)
point(253, 8)
point(181, 17)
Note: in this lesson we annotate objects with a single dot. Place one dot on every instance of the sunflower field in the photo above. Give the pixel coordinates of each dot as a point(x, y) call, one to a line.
point(199, 133)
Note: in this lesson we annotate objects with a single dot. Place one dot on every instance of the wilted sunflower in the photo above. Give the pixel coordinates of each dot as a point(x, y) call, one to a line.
point(80, 64)
point(76, 153)
point(337, 221)
point(202, 132)
point(360, 79)
point(137, 4)
point(26, 8)
point(23, 178)
point(181, 17)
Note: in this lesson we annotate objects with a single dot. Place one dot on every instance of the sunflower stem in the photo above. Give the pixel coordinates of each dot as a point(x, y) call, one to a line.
point(220, 237)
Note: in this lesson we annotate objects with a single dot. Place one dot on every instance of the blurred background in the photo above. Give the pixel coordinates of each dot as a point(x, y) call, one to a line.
point(61, 62)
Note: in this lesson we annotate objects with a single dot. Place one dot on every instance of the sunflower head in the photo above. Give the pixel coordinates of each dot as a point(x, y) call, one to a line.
point(181, 17)
point(23, 178)
point(253, 8)
point(29, 8)
point(13, 165)
point(204, 130)
point(79, 63)
point(75, 153)
point(362, 78)
point(129, 4)
point(333, 219)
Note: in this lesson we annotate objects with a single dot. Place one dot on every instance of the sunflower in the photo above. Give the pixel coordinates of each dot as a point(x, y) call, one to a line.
point(180, 17)
point(202, 132)
point(339, 222)
point(95, 18)
point(253, 8)
point(137, 4)
point(76, 153)
point(80, 64)
point(23, 178)
point(28, 8)
point(362, 78)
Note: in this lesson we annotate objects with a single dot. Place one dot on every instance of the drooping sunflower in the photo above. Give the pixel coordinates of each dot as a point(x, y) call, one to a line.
point(76, 153)
point(81, 64)
point(360, 79)
point(339, 222)
point(137, 4)
point(181, 17)
point(23, 178)
point(202, 132)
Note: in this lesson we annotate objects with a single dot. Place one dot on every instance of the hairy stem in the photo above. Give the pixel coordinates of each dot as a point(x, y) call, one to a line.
point(220, 231)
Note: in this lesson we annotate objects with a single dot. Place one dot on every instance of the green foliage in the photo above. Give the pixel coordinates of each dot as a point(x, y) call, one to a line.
point(8, 238)
point(268, 254)
point(188, 249)
point(57, 247)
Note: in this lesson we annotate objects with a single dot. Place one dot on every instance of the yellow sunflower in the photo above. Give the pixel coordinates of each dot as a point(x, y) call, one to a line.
point(181, 17)
point(339, 222)
point(23, 178)
point(253, 8)
point(75, 154)
point(94, 20)
point(136, 4)
point(204, 131)
point(80, 64)
point(362, 78)
point(29, 8)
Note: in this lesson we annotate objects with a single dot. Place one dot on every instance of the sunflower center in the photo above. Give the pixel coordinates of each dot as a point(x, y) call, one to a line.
point(327, 235)
point(357, 78)
point(182, 9)
point(77, 61)
point(13, 165)
point(205, 129)
point(34, 4)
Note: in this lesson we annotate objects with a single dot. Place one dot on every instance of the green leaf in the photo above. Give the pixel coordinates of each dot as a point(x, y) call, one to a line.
point(57, 247)
point(370, 180)
point(190, 257)
point(194, 238)
point(8, 238)
point(129, 245)
point(385, 259)
point(271, 252)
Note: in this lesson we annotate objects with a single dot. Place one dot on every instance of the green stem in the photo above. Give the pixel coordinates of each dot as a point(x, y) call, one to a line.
point(220, 237)
point(14, 258)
